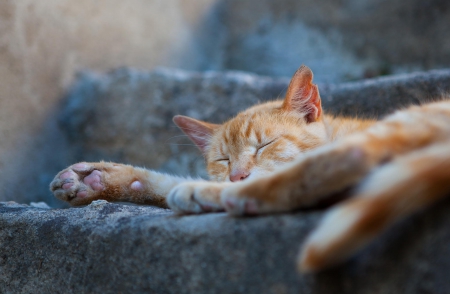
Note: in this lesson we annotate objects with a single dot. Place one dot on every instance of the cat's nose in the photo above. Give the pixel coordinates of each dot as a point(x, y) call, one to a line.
point(239, 176)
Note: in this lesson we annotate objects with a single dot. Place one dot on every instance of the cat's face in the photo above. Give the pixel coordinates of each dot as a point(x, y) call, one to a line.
point(263, 137)
point(259, 140)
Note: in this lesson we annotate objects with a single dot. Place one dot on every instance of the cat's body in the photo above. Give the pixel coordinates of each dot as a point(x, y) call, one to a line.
point(285, 155)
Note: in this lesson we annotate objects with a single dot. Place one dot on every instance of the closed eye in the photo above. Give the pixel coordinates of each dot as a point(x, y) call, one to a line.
point(223, 159)
point(263, 146)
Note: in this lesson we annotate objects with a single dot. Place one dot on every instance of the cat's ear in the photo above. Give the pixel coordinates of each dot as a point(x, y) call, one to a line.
point(303, 96)
point(199, 132)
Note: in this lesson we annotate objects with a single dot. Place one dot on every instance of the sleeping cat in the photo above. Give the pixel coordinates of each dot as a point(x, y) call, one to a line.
point(285, 155)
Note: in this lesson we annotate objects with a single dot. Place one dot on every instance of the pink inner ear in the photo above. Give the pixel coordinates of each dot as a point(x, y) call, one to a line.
point(198, 131)
point(303, 96)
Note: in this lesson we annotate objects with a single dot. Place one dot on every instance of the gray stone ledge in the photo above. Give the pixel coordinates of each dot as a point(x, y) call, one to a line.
point(116, 248)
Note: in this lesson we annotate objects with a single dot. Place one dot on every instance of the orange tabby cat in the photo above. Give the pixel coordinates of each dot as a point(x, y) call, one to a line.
point(285, 155)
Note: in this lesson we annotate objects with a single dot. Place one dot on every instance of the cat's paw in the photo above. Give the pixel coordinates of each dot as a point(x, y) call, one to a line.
point(78, 184)
point(196, 197)
point(248, 198)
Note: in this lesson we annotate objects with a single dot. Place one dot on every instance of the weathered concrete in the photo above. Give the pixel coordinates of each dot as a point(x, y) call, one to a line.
point(343, 40)
point(114, 248)
point(381, 96)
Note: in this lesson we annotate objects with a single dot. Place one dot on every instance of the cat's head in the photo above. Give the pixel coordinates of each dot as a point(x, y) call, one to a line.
point(263, 137)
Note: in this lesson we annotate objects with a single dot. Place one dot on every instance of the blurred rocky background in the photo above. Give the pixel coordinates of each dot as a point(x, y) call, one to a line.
point(101, 80)
point(51, 117)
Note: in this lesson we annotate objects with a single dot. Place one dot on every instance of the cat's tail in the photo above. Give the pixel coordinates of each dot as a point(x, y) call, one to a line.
point(392, 192)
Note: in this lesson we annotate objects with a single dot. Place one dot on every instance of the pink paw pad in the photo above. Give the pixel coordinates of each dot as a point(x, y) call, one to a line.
point(82, 194)
point(231, 202)
point(66, 175)
point(137, 186)
point(251, 207)
point(67, 186)
point(94, 180)
point(207, 207)
point(80, 166)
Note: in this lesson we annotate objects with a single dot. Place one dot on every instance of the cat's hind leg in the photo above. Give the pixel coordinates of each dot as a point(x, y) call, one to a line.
point(84, 182)
point(390, 193)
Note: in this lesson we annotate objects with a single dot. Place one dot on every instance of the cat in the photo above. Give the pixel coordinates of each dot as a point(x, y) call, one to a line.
point(287, 154)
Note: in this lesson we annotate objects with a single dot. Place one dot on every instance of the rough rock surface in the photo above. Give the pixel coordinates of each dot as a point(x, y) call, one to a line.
point(344, 40)
point(114, 248)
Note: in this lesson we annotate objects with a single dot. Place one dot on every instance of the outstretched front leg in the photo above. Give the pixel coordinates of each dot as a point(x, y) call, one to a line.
point(332, 168)
point(84, 182)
